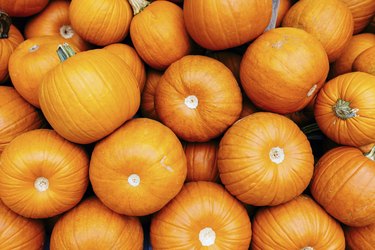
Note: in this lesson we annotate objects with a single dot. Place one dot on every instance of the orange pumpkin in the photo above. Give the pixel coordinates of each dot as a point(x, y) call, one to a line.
point(54, 21)
point(130, 56)
point(16, 115)
point(221, 24)
point(284, 6)
point(148, 94)
point(10, 38)
point(202, 216)
point(158, 33)
point(264, 159)
point(18, 232)
point(22, 8)
point(298, 224)
point(229, 59)
point(248, 107)
point(362, 11)
point(283, 69)
point(344, 109)
point(138, 168)
point(365, 62)
point(343, 184)
point(360, 238)
point(30, 62)
point(313, 15)
point(42, 174)
point(89, 95)
point(101, 22)
point(91, 225)
point(198, 98)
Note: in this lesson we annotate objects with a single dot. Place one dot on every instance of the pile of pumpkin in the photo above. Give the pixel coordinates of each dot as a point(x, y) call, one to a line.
point(188, 123)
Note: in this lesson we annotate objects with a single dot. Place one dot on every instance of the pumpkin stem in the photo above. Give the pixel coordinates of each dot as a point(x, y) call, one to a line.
point(5, 23)
point(343, 110)
point(207, 237)
point(64, 51)
point(307, 248)
point(371, 154)
point(138, 5)
point(275, 11)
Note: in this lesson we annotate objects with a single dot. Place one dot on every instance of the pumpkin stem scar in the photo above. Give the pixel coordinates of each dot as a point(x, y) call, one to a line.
point(307, 248)
point(191, 102)
point(134, 180)
point(138, 5)
point(277, 155)
point(5, 23)
point(207, 236)
point(343, 110)
point(41, 184)
point(371, 154)
point(64, 51)
point(66, 31)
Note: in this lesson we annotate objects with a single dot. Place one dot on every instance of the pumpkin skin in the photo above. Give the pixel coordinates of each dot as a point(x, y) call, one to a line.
point(229, 59)
point(297, 224)
point(343, 184)
point(91, 225)
point(42, 174)
point(90, 82)
point(101, 22)
point(202, 216)
point(198, 98)
point(54, 21)
point(311, 16)
point(344, 109)
point(30, 62)
point(219, 24)
point(138, 168)
point(365, 62)
point(16, 116)
point(362, 11)
point(18, 232)
point(360, 238)
point(264, 159)
point(130, 56)
point(148, 94)
point(284, 6)
point(22, 8)
point(159, 35)
point(283, 69)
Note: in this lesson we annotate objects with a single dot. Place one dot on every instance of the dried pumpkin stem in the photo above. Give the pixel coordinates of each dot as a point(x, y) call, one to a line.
point(343, 110)
point(307, 248)
point(371, 154)
point(138, 5)
point(5, 23)
point(64, 51)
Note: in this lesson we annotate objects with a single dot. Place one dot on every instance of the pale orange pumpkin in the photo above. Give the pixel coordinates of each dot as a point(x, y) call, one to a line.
point(202, 216)
point(138, 168)
point(365, 61)
point(363, 11)
point(148, 94)
point(22, 8)
point(360, 238)
point(42, 174)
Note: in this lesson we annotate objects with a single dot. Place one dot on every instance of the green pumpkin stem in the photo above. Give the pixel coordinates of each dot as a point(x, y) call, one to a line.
point(343, 110)
point(371, 154)
point(5, 23)
point(64, 51)
point(138, 5)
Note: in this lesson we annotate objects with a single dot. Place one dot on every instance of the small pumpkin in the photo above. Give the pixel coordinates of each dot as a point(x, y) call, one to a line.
point(298, 224)
point(360, 238)
point(22, 8)
point(202, 216)
point(362, 11)
point(365, 61)
point(148, 94)
point(138, 168)
point(42, 174)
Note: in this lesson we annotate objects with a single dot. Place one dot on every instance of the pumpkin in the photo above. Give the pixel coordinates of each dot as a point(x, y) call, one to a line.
point(10, 38)
point(365, 62)
point(202, 216)
point(220, 24)
point(344, 109)
point(30, 62)
point(16, 116)
point(198, 98)
point(362, 11)
point(229, 59)
point(283, 69)
point(312, 16)
point(130, 56)
point(91, 225)
point(298, 224)
point(54, 21)
point(264, 159)
point(17, 232)
point(284, 6)
point(148, 94)
point(22, 8)
point(343, 184)
point(42, 174)
point(356, 46)
point(201, 161)
point(138, 168)
point(158, 33)
point(89, 95)
point(248, 107)
point(360, 238)
point(101, 22)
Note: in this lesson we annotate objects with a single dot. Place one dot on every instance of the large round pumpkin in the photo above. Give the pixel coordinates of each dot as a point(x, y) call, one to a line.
point(365, 61)
point(265, 159)
point(89, 95)
point(22, 8)
point(344, 109)
point(298, 224)
point(198, 98)
point(360, 238)
point(91, 225)
point(362, 11)
point(138, 168)
point(148, 94)
point(221, 24)
point(344, 185)
point(330, 21)
point(283, 69)
point(42, 174)
point(202, 216)
point(18, 232)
